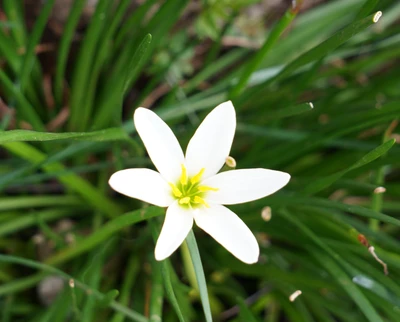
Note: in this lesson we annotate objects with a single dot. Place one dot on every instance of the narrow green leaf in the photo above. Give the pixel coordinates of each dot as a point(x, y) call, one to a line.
point(377, 288)
point(65, 44)
point(26, 111)
point(320, 202)
point(52, 270)
point(334, 269)
point(22, 222)
point(103, 233)
point(166, 275)
point(131, 273)
point(110, 107)
point(351, 289)
point(15, 14)
point(71, 180)
point(367, 8)
point(33, 40)
point(157, 293)
point(274, 35)
point(327, 46)
point(245, 313)
point(198, 269)
point(23, 202)
point(322, 183)
point(84, 64)
point(289, 111)
point(110, 134)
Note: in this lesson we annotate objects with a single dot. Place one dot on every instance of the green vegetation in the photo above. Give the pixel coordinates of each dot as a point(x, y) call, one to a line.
point(316, 93)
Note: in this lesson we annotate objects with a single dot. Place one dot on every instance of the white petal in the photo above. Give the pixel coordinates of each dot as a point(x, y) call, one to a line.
point(143, 184)
point(177, 224)
point(238, 186)
point(230, 231)
point(160, 142)
point(212, 141)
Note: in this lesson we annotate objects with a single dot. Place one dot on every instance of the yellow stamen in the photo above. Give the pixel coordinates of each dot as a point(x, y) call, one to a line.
point(185, 200)
point(197, 177)
point(206, 188)
point(184, 177)
point(177, 193)
point(198, 199)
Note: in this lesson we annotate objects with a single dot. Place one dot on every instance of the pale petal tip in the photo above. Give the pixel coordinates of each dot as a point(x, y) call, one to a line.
point(286, 177)
point(228, 105)
point(252, 259)
point(159, 257)
point(113, 180)
point(139, 111)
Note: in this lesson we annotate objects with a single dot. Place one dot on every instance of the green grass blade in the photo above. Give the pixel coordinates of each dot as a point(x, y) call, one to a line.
point(322, 183)
point(104, 233)
point(328, 45)
point(367, 8)
point(131, 274)
point(164, 266)
point(74, 182)
point(272, 38)
point(111, 106)
point(65, 44)
point(23, 222)
point(98, 295)
point(198, 269)
point(111, 134)
point(27, 111)
point(352, 290)
point(33, 40)
point(84, 65)
point(157, 293)
point(15, 15)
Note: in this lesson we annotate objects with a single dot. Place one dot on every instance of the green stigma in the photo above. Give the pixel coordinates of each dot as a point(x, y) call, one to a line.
point(188, 191)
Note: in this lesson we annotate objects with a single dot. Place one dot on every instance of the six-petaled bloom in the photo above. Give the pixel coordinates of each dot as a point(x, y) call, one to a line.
point(190, 186)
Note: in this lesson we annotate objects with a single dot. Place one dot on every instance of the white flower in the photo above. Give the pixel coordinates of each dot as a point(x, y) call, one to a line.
point(190, 186)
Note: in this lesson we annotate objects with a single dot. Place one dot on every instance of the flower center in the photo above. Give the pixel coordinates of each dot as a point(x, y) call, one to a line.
point(188, 191)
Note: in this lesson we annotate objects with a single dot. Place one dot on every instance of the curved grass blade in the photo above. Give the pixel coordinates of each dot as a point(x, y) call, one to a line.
point(366, 9)
point(65, 44)
point(334, 269)
point(327, 46)
point(157, 294)
point(71, 180)
point(84, 64)
point(165, 271)
point(27, 111)
point(111, 134)
point(322, 183)
point(134, 316)
point(104, 233)
point(33, 40)
point(276, 32)
point(198, 269)
point(111, 106)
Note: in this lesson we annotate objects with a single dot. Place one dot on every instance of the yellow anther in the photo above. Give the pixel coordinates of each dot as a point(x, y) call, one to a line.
point(184, 201)
point(177, 193)
point(200, 200)
point(197, 177)
point(184, 177)
point(206, 188)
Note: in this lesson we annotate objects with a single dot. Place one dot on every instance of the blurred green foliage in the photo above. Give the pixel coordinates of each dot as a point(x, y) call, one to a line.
point(66, 122)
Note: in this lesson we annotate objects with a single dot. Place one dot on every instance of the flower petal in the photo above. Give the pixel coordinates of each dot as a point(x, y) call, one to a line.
point(144, 184)
point(160, 142)
point(230, 231)
point(239, 186)
point(212, 141)
point(177, 224)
